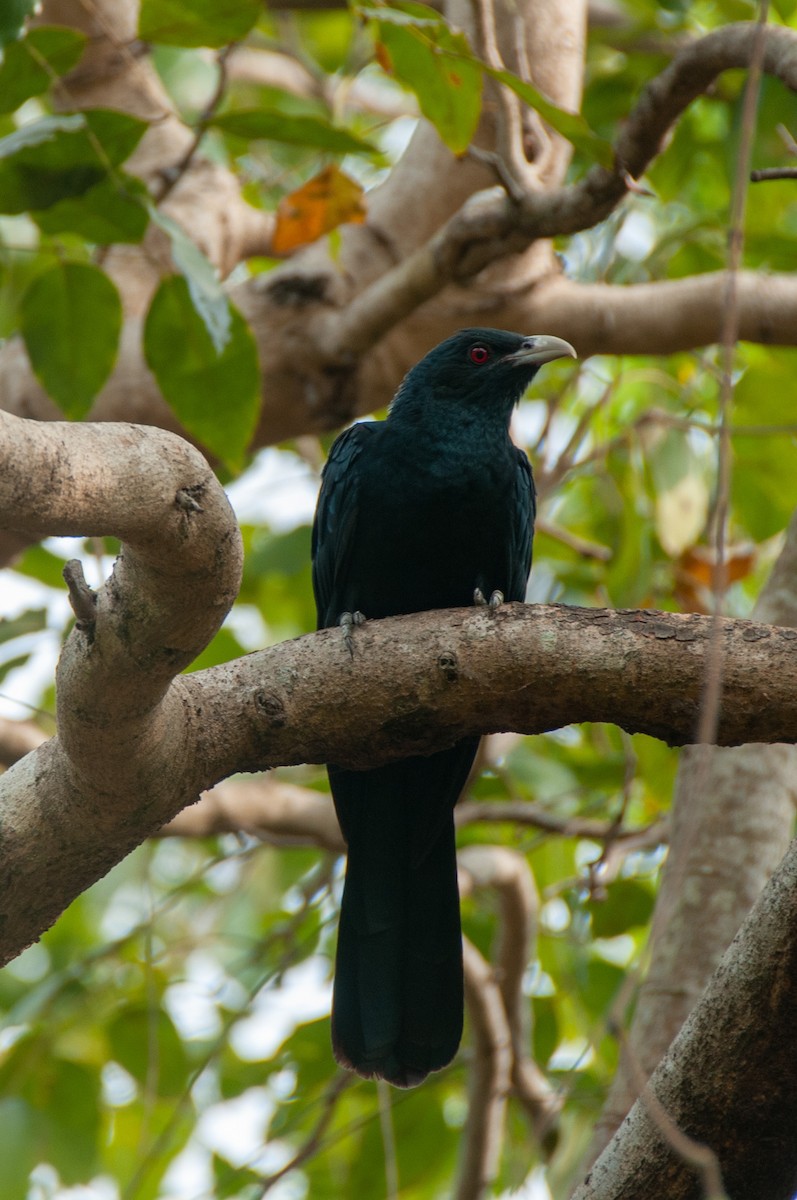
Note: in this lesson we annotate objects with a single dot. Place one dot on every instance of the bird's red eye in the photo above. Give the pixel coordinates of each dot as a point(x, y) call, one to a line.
point(478, 354)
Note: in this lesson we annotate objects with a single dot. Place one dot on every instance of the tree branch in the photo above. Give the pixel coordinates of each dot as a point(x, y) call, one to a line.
point(488, 1078)
point(79, 803)
point(730, 1078)
point(509, 874)
point(492, 225)
point(133, 750)
point(733, 808)
point(419, 682)
point(271, 809)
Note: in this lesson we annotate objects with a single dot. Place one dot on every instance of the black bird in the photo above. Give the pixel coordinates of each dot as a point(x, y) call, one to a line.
point(431, 508)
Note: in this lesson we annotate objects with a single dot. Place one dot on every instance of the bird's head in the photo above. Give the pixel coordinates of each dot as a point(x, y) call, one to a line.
point(484, 366)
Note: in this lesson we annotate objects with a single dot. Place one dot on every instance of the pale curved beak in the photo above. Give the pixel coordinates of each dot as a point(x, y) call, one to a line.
point(539, 349)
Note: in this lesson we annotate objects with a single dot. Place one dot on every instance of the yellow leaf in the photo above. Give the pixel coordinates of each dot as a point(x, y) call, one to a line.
point(681, 514)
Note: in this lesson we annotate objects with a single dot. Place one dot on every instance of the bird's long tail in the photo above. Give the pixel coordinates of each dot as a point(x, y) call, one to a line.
point(397, 1002)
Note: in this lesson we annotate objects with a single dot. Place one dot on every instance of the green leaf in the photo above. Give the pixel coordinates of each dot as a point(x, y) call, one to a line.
point(418, 42)
point(74, 1120)
point(571, 126)
point(12, 18)
point(147, 1045)
point(628, 903)
point(295, 130)
point(197, 22)
point(11, 664)
point(409, 16)
point(70, 318)
point(114, 210)
point(63, 156)
point(215, 395)
point(231, 1181)
point(200, 275)
point(41, 564)
point(287, 553)
point(19, 1150)
point(546, 1028)
point(32, 621)
point(439, 67)
point(113, 135)
point(29, 65)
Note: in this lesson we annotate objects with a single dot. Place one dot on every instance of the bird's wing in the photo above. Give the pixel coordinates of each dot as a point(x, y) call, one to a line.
point(336, 520)
point(525, 510)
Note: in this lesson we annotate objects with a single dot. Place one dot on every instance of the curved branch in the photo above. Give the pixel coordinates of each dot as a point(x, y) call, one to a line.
point(79, 803)
point(509, 874)
point(488, 1078)
point(492, 225)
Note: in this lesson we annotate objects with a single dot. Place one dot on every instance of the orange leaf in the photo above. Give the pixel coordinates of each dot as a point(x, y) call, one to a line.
point(698, 563)
point(694, 574)
point(383, 58)
point(327, 200)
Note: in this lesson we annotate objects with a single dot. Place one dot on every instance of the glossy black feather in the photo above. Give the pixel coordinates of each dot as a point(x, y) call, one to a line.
point(415, 513)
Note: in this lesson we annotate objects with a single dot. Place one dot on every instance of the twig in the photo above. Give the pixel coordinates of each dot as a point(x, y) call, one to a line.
point(773, 173)
point(313, 1142)
point(172, 175)
point(388, 1140)
point(709, 715)
point(520, 812)
point(788, 141)
point(512, 166)
point(582, 546)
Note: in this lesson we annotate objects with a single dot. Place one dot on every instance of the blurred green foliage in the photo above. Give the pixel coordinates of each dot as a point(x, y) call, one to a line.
point(158, 1001)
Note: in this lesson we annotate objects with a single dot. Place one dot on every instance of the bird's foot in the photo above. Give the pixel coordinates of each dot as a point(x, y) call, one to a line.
point(495, 601)
point(349, 621)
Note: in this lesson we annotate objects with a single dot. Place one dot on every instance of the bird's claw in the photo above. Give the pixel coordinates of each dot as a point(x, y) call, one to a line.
point(495, 601)
point(349, 621)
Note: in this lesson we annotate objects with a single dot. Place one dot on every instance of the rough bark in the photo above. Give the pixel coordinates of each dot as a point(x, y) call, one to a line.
point(730, 1078)
point(450, 674)
point(733, 814)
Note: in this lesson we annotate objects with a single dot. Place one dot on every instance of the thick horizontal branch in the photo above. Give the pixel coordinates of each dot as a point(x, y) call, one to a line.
point(662, 317)
point(417, 683)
